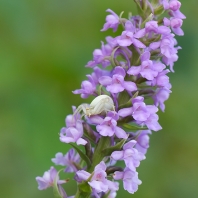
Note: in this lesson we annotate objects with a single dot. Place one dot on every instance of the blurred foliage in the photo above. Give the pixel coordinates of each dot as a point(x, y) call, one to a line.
point(44, 45)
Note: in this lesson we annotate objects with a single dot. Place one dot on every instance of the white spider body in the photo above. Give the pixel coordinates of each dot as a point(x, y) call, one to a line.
point(102, 103)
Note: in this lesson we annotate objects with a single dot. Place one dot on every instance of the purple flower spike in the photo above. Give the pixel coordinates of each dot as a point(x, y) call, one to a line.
point(112, 21)
point(126, 95)
point(67, 160)
point(48, 179)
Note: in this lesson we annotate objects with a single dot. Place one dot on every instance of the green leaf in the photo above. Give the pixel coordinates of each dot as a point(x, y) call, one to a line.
point(81, 194)
point(123, 98)
point(126, 51)
point(88, 131)
point(98, 155)
point(135, 59)
point(84, 187)
point(133, 127)
point(139, 8)
point(144, 5)
point(106, 195)
point(117, 147)
point(56, 190)
point(129, 102)
point(120, 16)
point(84, 190)
point(89, 151)
point(159, 10)
point(155, 2)
point(146, 20)
point(112, 59)
point(82, 155)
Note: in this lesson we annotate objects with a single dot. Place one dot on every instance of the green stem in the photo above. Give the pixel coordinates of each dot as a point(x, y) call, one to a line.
point(135, 59)
point(80, 194)
point(77, 194)
point(83, 188)
point(98, 155)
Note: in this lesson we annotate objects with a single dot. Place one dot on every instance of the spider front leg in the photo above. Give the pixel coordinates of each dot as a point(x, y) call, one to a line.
point(80, 108)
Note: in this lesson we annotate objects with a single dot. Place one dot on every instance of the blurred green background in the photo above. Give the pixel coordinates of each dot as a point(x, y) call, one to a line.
point(44, 45)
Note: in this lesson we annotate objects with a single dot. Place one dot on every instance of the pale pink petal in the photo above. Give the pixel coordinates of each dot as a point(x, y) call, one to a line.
point(120, 133)
point(105, 80)
point(81, 141)
point(117, 155)
point(129, 86)
point(134, 70)
point(138, 43)
point(125, 112)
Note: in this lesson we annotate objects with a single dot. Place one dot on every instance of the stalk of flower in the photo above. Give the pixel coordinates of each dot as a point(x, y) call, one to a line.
point(115, 126)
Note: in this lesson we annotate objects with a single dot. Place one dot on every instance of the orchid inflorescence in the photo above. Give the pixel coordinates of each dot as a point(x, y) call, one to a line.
point(129, 72)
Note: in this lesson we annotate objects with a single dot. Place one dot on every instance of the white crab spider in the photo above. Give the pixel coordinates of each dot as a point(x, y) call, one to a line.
point(102, 103)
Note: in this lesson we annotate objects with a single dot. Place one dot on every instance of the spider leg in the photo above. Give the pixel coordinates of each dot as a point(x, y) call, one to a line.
point(84, 108)
point(79, 109)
